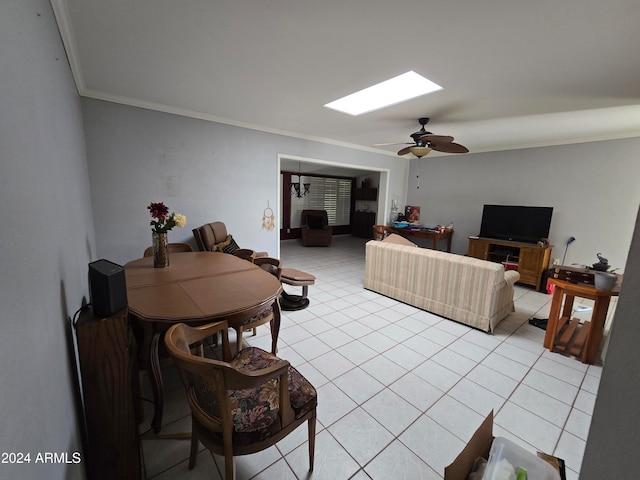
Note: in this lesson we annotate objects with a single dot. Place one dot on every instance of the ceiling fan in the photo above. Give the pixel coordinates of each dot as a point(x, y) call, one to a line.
point(424, 142)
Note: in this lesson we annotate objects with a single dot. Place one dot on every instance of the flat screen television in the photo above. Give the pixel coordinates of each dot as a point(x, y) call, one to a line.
point(515, 223)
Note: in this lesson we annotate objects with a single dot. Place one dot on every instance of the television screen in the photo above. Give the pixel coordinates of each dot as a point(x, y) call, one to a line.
point(515, 223)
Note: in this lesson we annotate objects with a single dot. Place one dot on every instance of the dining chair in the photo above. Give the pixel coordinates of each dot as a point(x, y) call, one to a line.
point(259, 314)
point(270, 265)
point(241, 404)
point(173, 248)
point(274, 267)
point(246, 254)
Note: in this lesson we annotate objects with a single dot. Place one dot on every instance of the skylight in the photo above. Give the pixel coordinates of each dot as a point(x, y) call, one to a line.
point(390, 92)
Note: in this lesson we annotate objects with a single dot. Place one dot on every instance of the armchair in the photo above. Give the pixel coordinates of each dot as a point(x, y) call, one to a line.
point(240, 405)
point(315, 228)
point(209, 235)
point(213, 237)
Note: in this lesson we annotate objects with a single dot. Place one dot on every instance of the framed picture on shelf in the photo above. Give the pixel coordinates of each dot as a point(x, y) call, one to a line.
point(412, 213)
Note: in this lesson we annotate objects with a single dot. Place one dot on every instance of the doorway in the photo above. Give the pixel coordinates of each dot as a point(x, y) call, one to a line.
point(318, 167)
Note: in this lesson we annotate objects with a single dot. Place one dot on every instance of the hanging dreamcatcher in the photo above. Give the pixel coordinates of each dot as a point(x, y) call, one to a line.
point(268, 219)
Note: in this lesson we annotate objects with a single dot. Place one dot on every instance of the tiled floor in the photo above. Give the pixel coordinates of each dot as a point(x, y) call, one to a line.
point(400, 391)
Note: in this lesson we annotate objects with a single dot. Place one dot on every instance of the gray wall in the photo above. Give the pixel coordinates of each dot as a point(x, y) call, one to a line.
point(207, 171)
point(46, 240)
point(593, 188)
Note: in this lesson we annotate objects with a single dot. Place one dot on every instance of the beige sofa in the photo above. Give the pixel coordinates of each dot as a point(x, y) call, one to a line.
point(475, 292)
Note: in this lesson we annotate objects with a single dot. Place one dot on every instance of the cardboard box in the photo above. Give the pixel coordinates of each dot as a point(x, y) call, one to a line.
point(479, 446)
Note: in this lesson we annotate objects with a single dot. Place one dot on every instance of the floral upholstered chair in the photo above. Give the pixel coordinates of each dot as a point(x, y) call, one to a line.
point(240, 405)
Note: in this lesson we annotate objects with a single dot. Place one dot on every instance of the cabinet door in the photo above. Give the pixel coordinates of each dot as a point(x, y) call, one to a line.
point(477, 249)
point(362, 224)
point(531, 260)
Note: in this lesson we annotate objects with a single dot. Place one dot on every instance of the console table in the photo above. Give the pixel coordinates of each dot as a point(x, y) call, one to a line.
point(565, 334)
point(434, 236)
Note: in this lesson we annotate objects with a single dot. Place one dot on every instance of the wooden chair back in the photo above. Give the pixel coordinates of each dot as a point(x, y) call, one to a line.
point(246, 254)
point(209, 383)
point(270, 264)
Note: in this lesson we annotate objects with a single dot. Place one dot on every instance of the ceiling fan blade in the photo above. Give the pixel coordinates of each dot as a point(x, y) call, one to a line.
point(436, 138)
point(449, 147)
point(387, 144)
point(405, 150)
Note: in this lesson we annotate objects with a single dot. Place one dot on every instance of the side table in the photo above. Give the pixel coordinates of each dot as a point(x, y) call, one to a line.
point(565, 334)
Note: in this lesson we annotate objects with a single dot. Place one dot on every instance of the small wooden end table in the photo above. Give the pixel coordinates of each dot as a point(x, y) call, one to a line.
point(565, 334)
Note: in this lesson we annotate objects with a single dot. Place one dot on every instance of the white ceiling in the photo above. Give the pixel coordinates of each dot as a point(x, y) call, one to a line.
point(515, 73)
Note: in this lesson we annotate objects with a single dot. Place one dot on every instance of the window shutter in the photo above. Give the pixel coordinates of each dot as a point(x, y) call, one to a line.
point(330, 194)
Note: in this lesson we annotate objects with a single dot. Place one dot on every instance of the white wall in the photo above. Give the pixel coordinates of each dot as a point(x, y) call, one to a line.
point(593, 188)
point(614, 438)
point(46, 240)
point(207, 171)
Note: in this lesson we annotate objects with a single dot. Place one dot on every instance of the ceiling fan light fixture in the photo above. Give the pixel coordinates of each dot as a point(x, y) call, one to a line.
point(420, 151)
point(390, 92)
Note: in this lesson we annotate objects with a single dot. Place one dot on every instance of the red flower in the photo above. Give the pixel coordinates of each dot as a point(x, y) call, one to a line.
point(162, 221)
point(159, 210)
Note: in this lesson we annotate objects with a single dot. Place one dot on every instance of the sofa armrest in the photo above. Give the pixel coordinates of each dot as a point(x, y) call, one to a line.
point(511, 276)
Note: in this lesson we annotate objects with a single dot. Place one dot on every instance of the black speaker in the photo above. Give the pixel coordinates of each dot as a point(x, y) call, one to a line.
point(107, 288)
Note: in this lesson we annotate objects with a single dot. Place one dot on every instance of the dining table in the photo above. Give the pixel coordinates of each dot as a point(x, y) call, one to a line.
point(196, 288)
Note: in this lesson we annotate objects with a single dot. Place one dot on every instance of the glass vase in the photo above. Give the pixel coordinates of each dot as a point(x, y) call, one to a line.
point(160, 250)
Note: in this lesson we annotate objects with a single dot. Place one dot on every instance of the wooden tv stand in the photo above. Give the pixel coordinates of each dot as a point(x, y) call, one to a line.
point(532, 261)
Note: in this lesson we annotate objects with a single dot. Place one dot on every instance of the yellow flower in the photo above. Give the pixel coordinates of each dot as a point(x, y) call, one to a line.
point(180, 220)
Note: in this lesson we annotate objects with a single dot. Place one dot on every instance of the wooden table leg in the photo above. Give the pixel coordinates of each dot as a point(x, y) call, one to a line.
point(596, 330)
point(275, 326)
point(554, 316)
point(567, 309)
point(152, 364)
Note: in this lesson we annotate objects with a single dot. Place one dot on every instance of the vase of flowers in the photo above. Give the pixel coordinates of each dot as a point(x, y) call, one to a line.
point(161, 222)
